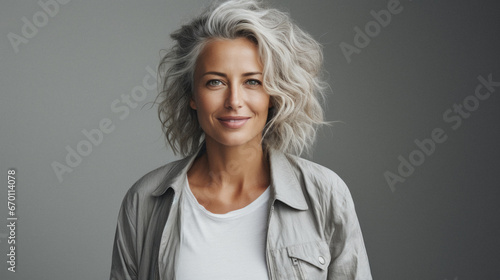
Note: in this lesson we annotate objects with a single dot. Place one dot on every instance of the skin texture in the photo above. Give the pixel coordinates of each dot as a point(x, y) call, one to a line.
point(228, 82)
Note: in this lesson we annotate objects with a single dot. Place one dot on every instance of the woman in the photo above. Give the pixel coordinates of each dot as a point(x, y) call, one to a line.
point(240, 101)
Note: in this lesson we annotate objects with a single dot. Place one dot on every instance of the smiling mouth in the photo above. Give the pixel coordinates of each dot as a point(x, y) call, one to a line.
point(233, 123)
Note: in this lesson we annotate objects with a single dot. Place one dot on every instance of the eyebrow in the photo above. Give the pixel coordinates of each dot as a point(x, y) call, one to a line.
point(225, 76)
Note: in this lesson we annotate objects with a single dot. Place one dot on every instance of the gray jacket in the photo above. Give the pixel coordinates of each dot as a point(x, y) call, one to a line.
point(313, 231)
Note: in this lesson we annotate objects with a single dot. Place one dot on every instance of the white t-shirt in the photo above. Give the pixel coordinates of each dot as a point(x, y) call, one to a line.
point(222, 246)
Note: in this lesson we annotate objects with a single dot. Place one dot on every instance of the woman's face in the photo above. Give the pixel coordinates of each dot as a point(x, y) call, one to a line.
point(229, 97)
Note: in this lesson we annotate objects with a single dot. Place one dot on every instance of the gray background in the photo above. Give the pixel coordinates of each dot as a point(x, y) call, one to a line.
point(442, 222)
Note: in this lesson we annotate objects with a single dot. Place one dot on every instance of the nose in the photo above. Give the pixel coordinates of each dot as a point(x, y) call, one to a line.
point(234, 98)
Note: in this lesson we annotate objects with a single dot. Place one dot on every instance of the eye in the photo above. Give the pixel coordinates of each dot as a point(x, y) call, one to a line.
point(214, 83)
point(253, 82)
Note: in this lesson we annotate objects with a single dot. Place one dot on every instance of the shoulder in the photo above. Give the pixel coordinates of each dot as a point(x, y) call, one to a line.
point(320, 181)
point(148, 183)
point(314, 171)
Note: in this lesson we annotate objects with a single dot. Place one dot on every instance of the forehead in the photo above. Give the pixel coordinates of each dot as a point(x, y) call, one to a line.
point(229, 55)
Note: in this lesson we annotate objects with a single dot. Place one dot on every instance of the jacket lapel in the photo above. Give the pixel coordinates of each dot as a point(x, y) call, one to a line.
point(284, 182)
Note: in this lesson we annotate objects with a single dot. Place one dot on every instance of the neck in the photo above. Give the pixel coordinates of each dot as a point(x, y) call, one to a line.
point(234, 167)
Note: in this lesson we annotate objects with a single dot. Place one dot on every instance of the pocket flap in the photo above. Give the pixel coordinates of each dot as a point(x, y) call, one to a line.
point(314, 253)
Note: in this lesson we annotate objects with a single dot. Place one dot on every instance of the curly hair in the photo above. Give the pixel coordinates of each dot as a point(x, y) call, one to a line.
point(292, 64)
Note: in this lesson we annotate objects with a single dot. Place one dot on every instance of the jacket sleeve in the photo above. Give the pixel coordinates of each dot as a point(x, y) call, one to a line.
point(349, 258)
point(124, 261)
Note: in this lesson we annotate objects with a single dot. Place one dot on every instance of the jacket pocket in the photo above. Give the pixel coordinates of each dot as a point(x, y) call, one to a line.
point(309, 260)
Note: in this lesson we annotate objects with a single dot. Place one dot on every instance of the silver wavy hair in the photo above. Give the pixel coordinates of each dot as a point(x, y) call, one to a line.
point(292, 64)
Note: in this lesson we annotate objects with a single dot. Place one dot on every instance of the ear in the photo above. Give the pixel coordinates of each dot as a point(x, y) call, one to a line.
point(192, 104)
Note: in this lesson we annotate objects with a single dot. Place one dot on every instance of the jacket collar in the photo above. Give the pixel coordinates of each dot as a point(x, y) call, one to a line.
point(285, 185)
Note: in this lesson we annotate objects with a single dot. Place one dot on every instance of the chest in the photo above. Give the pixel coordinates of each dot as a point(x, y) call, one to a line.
point(222, 246)
point(295, 244)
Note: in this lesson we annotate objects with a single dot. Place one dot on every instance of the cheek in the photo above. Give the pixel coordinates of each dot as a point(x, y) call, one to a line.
point(262, 103)
point(206, 106)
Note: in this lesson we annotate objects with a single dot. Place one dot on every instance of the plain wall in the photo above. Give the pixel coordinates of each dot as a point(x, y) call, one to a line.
point(79, 67)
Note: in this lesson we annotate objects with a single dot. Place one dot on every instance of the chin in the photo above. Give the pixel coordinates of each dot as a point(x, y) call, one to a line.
point(235, 141)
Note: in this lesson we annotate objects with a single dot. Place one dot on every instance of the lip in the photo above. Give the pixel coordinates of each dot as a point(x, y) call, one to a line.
point(233, 121)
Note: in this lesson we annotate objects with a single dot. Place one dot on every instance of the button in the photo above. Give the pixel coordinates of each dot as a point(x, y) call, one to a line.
point(321, 260)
